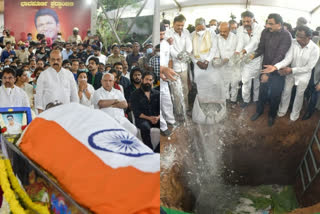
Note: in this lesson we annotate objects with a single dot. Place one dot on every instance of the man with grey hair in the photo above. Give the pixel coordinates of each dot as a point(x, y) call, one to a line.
point(55, 84)
point(204, 47)
point(112, 102)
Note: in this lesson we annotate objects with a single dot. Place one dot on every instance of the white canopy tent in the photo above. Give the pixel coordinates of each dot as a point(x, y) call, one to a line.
point(222, 9)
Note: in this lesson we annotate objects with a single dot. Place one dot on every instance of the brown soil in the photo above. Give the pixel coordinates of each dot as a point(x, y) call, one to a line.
point(256, 153)
point(307, 210)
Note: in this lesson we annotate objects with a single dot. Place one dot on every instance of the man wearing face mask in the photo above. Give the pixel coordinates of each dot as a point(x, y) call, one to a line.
point(274, 44)
point(248, 39)
point(143, 61)
point(213, 24)
point(11, 95)
point(145, 104)
point(296, 68)
point(22, 53)
point(226, 44)
point(181, 42)
point(233, 26)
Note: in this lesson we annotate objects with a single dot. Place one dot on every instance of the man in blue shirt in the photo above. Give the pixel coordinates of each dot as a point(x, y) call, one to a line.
point(7, 52)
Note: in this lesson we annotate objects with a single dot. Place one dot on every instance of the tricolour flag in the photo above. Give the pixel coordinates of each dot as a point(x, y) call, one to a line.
point(103, 167)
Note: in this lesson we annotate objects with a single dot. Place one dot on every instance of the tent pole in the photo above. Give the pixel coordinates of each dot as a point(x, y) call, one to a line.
point(156, 24)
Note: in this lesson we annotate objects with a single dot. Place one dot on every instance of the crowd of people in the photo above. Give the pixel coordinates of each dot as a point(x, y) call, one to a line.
point(121, 80)
point(239, 63)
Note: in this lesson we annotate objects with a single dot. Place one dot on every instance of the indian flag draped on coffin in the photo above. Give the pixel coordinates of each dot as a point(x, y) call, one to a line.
point(102, 166)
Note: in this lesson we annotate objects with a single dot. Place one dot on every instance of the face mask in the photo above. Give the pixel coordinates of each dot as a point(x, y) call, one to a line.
point(81, 70)
point(6, 66)
point(157, 53)
point(59, 37)
point(200, 33)
point(234, 31)
point(213, 27)
point(32, 69)
point(29, 37)
point(83, 79)
point(23, 47)
point(149, 50)
point(121, 52)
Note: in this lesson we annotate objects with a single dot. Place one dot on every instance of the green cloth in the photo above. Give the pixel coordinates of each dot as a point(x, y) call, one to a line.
point(171, 211)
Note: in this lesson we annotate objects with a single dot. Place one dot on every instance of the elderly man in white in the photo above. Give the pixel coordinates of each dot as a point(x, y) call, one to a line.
point(181, 41)
point(302, 56)
point(10, 94)
point(248, 40)
point(112, 102)
point(55, 84)
point(204, 46)
point(227, 43)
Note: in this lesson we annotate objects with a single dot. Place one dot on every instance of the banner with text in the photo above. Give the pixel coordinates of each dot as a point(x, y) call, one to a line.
point(46, 17)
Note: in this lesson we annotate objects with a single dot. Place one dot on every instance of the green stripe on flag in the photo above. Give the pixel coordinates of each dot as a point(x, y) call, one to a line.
point(171, 211)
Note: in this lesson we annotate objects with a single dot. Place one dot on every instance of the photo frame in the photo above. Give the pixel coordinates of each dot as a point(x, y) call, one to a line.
point(13, 120)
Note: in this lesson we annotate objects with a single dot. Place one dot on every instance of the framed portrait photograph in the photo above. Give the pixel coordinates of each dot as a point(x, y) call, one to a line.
point(14, 120)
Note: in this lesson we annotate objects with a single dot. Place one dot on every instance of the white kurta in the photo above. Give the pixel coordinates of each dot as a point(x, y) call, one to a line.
point(166, 107)
point(204, 57)
point(116, 113)
point(180, 43)
point(13, 97)
point(84, 100)
point(55, 86)
point(250, 44)
point(302, 61)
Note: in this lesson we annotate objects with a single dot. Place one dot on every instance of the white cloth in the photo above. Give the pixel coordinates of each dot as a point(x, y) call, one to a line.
point(302, 61)
point(84, 100)
point(180, 43)
point(116, 113)
point(250, 44)
point(13, 97)
point(246, 89)
point(15, 129)
point(230, 74)
point(166, 106)
point(53, 85)
point(102, 59)
point(29, 90)
point(204, 57)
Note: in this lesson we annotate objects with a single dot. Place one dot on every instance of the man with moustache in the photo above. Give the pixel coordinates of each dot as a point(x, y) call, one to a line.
point(274, 44)
point(94, 76)
point(47, 22)
point(135, 78)
point(248, 40)
point(10, 94)
point(55, 84)
point(145, 104)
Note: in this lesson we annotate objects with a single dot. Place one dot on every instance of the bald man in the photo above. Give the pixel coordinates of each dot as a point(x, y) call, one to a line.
point(55, 84)
point(226, 46)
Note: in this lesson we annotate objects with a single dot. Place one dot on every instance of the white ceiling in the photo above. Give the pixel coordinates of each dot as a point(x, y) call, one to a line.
point(304, 5)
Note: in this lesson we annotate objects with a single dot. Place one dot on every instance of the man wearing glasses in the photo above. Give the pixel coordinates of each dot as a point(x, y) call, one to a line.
point(11, 95)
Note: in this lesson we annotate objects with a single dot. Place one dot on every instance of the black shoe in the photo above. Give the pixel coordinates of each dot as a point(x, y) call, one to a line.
point(270, 121)
point(255, 116)
point(307, 116)
point(244, 104)
point(166, 133)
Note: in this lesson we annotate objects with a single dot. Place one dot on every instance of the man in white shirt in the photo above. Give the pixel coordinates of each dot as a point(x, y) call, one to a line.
point(13, 127)
point(248, 40)
point(11, 95)
point(302, 56)
point(67, 51)
point(181, 42)
point(112, 102)
point(227, 43)
point(55, 84)
point(97, 53)
point(166, 107)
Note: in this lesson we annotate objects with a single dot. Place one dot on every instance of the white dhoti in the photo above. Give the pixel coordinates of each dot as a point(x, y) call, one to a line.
point(231, 78)
point(166, 107)
point(249, 72)
point(286, 96)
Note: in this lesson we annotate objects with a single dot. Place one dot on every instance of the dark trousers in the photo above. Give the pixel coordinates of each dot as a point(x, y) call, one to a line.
point(312, 94)
point(271, 90)
point(145, 126)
